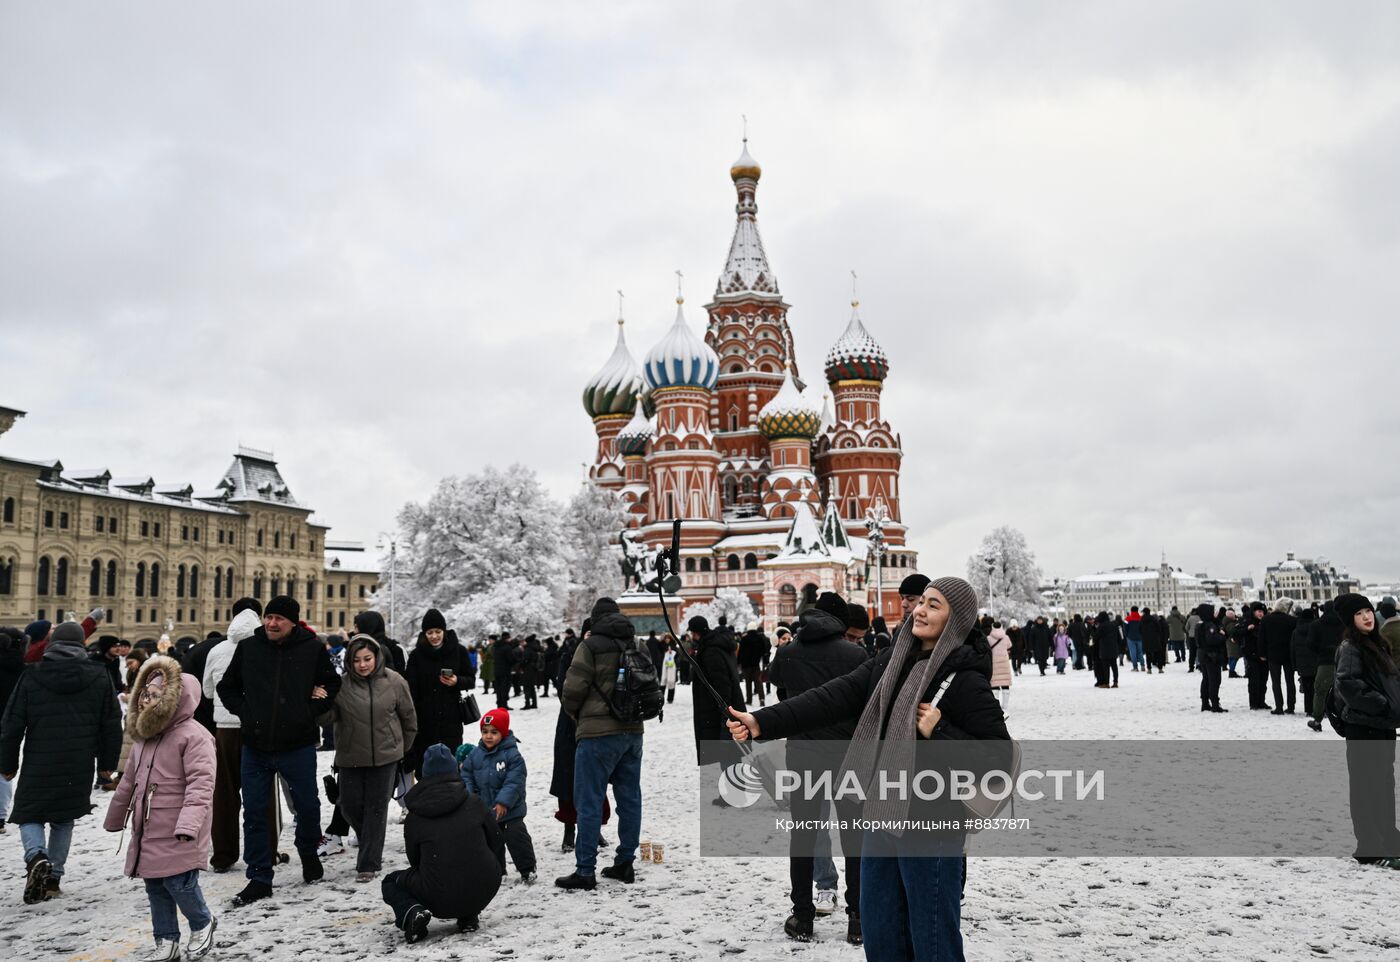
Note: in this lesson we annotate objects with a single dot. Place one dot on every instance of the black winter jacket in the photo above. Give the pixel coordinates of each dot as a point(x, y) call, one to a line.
point(717, 660)
point(1276, 637)
point(455, 850)
point(1304, 658)
point(969, 707)
point(439, 717)
point(193, 665)
point(818, 653)
point(268, 686)
point(68, 717)
point(1366, 696)
point(1324, 637)
point(1210, 638)
point(753, 650)
point(12, 646)
point(1108, 641)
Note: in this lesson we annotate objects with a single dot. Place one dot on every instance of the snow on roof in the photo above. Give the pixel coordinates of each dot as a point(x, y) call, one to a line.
point(350, 559)
point(255, 478)
point(742, 542)
point(1131, 576)
point(134, 492)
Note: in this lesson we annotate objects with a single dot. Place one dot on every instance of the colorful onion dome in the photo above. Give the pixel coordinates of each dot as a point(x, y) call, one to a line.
point(789, 414)
point(632, 439)
point(614, 388)
point(745, 166)
point(856, 356)
point(680, 359)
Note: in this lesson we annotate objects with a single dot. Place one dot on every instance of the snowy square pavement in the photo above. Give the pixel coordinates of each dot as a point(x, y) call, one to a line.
point(690, 908)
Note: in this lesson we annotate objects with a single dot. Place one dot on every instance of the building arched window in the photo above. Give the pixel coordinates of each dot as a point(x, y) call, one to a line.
point(689, 564)
point(276, 588)
point(180, 582)
point(111, 579)
point(9, 510)
point(7, 576)
point(853, 509)
point(732, 562)
point(141, 579)
point(731, 491)
point(747, 486)
point(228, 582)
point(257, 587)
point(95, 578)
point(750, 561)
point(291, 587)
point(276, 540)
point(60, 578)
point(704, 564)
point(260, 537)
point(219, 581)
point(155, 579)
point(194, 581)
point(787, 602)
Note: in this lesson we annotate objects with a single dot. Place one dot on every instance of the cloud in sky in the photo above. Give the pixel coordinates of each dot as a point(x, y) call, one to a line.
point(1134, 263)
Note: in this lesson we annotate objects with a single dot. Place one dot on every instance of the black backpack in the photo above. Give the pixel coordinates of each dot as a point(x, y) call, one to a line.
point(1334, 712)
point(638, 695)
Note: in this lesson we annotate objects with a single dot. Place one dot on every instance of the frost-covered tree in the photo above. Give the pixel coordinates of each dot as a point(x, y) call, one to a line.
point(592, 522)
point(1007, 579)
point(488, 539)
point(514, 605)
point(731, 603)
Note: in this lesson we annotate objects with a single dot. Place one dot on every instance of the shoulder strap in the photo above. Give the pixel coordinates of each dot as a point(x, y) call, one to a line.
point(943, 688)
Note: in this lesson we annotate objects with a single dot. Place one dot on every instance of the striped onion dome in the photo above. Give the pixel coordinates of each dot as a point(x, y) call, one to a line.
point(680, 359)
point(856, 356)
point(614, 388)
point(789, 414)
point(632, 439)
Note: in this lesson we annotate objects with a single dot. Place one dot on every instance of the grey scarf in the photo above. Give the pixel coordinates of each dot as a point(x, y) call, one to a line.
point(896, 751)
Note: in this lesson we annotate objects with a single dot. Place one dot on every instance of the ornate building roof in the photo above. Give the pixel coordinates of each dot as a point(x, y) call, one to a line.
point(613, 389)
point(681, 358)
point(746, 269)
point(856, 356)
point(789, 414)
point(632, 439)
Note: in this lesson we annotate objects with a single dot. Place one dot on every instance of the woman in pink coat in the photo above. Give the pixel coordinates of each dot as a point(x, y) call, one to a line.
point(166, 799)
point(1000, 643)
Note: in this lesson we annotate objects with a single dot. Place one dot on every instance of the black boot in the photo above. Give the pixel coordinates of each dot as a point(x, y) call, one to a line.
point(623, 872)
point(37, 878)
point(415, 924)
point(568, 838)
point(469, 924)
point(311, 870)
point(853, 935)
point(585, 883)
point(799, 930)
point(252, 892)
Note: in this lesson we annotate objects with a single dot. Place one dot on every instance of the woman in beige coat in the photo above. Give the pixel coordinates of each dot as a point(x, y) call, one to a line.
point(1000, 644)
point(374, 726)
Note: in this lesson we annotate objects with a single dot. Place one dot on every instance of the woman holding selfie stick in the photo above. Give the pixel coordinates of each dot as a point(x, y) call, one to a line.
point(910, 905)
point(438, 672)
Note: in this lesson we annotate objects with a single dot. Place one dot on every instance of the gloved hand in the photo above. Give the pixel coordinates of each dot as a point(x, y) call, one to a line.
point(98, 615)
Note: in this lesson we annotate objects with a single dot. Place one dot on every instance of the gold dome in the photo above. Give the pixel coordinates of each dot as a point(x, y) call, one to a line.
point(745, 166)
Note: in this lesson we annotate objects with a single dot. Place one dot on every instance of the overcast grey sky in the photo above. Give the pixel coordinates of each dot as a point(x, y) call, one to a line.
point(1137, 265)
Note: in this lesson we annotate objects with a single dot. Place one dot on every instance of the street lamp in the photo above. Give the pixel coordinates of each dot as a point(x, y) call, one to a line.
point(991, 586)
point(876, 517)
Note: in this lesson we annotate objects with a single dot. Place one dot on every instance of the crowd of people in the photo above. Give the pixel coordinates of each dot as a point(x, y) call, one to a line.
point(198, 747)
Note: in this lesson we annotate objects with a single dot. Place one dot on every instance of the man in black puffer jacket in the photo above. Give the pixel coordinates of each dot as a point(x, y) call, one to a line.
point(64, 711)
point(1304, 661)
point(716, 655)
point(456, 854)
point(1324, 638)
point(277, 683)
point(1276, 647)
point(816, 655)
point(372, 623)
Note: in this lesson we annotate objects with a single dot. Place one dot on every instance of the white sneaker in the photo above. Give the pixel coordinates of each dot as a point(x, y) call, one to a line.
point(201, 940)
point(352, 840)
point(164, 951)
point(825, 901)
point(330, 845)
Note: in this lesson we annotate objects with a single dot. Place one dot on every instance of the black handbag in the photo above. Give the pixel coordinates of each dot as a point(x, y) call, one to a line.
point(468, 710)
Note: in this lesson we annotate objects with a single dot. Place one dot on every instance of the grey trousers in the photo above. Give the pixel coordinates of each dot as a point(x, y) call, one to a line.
point(364, 801)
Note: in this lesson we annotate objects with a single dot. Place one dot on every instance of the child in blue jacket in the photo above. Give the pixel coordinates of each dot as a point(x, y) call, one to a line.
point(495, 771)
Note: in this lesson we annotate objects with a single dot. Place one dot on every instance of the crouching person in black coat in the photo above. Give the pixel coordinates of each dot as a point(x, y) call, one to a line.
point(456, 855)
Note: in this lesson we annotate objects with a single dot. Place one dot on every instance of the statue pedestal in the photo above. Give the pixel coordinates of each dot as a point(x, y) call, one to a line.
point(646, 613)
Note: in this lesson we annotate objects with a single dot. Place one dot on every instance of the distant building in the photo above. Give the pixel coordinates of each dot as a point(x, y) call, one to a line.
point(1306, 580)
point(163, 559)
point(1226, 589)
point(1120, 589)
point(352, 577)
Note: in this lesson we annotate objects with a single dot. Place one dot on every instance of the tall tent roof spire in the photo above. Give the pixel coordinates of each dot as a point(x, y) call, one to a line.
point(746, 269)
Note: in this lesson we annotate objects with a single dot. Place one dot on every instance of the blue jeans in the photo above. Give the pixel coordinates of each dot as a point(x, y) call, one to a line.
point(176, 891)
point(31, 835)
point(7, 792)
point(824, 875)
point(1135, 651)
point(298, 770)
point(615, 759)
point(910, 908)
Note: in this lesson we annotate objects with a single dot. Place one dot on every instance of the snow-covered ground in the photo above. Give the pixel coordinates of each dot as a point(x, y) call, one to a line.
point(1031, 908)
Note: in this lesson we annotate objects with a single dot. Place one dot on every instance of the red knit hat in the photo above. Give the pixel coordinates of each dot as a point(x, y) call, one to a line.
point(499, 719)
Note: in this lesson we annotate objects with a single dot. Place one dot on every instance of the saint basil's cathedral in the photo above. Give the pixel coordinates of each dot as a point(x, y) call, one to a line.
point(776, 492)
